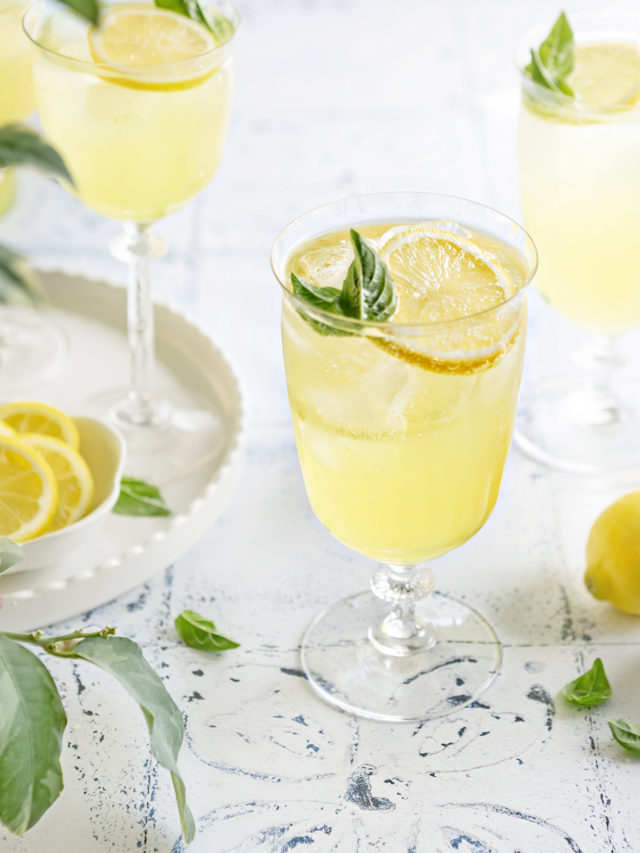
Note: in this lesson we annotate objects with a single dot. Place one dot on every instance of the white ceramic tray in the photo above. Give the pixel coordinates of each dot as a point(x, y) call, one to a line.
point(127, 551)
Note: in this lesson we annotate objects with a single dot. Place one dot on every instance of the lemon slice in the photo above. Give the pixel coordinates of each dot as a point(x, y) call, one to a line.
point(40, 418)
point(443, 275)
point(145, 38)
point(28, 491)
point(5, 429)
point(606, 75)
point(73, 478)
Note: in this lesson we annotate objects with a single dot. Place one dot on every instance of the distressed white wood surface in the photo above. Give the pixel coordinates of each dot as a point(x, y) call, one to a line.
point(336, 97)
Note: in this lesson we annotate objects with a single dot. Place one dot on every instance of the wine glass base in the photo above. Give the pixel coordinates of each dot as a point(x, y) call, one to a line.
point(177, 440)
point(347, 671)
point(559, 426)
point(32, 349)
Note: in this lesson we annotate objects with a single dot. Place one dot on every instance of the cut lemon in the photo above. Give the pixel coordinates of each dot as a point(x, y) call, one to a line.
point(28, 491)
point(606, 75)
point(145, 38)
point(443, 275)
point(5, 429)
point(38, 417)
point(73, 477)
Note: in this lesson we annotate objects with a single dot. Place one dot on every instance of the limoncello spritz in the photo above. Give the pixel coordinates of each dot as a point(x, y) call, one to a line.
point(138, 107)
point(579, 157)
point(402, 424)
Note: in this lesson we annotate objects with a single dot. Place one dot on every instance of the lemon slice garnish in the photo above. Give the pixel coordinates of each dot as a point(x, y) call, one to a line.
point(440, 276)
point(145, 39)
point(26, 416)
point(73, 477)
point(28, 491)
point(606, 75)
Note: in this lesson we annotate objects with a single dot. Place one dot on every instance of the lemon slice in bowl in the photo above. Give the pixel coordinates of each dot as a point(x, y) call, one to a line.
point(5, 429)
point(443, 276)
point(143, 39)
point(28, 491)
point(73, 478)
point(38, 417)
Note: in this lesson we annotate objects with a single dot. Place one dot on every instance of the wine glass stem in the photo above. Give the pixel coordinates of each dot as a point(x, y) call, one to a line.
point(401, 633)
point(136, 248)
point(604, 404)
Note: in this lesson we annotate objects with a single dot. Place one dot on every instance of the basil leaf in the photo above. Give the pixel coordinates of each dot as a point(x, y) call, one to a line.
point(19, 284)
point(21, 146)
point(32, 721)
point(200, 633)
point(140, 498)
point(368, 292)
point(10, 554)
point(122, 659)
point(85, 8)
point(553, 61)
point(591, 688)
point(627, 735)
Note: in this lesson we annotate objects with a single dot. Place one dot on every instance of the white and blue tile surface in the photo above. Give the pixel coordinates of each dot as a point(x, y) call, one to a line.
point(336, 97)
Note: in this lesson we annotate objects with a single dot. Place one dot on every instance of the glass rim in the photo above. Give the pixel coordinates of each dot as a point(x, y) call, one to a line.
point(587, 18)
point(340, 322)
point(150, 73)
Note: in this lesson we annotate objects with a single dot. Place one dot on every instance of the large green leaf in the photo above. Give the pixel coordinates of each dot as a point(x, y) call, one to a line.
point(21, 146)
point(32, 721)
point(19, 284)
point(122, 659)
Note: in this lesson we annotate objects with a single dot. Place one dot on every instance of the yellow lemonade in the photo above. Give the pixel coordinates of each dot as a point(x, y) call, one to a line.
point(138, 108)
point(403, 428)
point(580, 187)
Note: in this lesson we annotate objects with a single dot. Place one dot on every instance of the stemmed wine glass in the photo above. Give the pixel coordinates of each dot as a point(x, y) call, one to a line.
point(402, 428)
point(138, 107)
point(579, 158)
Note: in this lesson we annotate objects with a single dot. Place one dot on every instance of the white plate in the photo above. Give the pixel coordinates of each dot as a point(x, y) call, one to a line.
point(127, 551)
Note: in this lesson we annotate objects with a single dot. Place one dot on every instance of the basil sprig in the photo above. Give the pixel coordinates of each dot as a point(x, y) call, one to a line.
point(589, 689)
point(368, 291)
point(139, 498)
point(552, 62)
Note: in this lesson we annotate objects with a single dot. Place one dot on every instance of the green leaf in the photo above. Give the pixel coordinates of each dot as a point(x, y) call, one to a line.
point(21, 146)
point(627, 735)
point(122, 659)
point(88, 9)
point(140, 498)
point(10, 554)
point(32, 721)
point(200, 633)
point(553, 61)
point(19, 285)
point(221, 27)
point(368, 292)
point(591, 688)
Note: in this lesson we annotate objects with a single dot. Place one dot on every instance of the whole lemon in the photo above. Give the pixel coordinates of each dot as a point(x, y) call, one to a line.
point(613, 555)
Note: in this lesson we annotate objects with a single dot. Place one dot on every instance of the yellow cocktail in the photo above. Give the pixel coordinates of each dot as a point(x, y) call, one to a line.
point(403, 333)
point(137, 108)
point(579, 156)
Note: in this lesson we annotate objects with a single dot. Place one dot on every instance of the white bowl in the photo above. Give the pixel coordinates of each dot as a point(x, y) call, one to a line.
point(104, 451)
